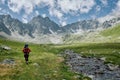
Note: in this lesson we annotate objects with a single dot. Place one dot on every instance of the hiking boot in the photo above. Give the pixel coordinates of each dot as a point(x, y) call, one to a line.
point(26, 62)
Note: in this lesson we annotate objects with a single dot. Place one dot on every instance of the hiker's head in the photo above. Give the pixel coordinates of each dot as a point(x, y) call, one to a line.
point(26, 46)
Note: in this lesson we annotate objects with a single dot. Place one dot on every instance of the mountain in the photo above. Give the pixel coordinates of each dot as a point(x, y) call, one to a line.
point(90, 31)
point(4, 28)
point(39, 29)
point(84, 25)
point(111, 22)
point(14, 26)
point(44, 30)
point(89, 25)
point(44, 25)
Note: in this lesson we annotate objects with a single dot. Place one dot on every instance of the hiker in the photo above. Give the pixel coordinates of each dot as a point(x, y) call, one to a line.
point(26, 52)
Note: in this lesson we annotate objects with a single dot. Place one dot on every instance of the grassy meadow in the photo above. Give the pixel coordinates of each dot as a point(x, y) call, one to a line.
point(45, 62)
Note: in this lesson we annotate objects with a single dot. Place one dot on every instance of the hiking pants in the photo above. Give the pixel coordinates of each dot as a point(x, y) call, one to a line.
point(26, 55)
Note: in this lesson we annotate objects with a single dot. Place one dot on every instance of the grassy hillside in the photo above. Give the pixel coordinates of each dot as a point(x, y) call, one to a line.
point(44, 62)
point(114, 31)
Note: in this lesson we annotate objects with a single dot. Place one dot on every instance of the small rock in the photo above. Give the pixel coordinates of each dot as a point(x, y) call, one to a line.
point(91, 76)
point(103, 58)
point(99, 72)
point(77, 76)
point(114, 51)
point(8, 61)
point(5, 47)
point(118, 75)
point(112, 67)
point(118, 52)
point(36, 64)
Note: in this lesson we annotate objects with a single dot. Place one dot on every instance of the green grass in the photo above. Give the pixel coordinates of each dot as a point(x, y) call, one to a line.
point(109, 50)
point(114, 31)
point(50, 65)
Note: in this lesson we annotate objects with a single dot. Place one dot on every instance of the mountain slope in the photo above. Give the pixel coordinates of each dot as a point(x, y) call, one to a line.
point(39, 29)
point(4, 29)
point(44, 30)
point(44, 25)
point(14, 25)
point(113, 31)
point(84, 25)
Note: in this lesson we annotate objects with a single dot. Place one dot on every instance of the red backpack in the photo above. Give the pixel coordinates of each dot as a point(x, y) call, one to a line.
point(26, 50)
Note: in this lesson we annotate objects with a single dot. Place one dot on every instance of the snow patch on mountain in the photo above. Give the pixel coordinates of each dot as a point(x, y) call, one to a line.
point(79, 31)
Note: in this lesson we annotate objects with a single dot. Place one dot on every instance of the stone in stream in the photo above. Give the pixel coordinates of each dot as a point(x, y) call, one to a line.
point(112, 67)
point(92, 66)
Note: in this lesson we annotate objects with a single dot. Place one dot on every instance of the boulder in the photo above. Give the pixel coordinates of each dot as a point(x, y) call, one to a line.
point(8, 61)
point(112, 67)
point(5, 47)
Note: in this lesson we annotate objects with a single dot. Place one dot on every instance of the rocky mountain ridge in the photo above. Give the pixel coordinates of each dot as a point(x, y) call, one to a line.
point(44, 30)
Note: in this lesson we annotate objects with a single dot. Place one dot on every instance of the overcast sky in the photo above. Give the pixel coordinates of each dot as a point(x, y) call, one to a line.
point(61, 11)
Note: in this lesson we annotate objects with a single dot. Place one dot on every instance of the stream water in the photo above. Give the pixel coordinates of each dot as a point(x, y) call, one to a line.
point(92, 67)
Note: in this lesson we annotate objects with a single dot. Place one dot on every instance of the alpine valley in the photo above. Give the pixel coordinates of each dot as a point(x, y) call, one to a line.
point(43, 30)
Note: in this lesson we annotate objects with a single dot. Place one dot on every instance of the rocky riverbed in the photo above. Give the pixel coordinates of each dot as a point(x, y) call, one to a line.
point(92, 67)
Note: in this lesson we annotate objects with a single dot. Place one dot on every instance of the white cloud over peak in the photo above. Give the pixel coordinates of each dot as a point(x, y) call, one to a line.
point(24, 20)
point(115, 13)
point(63, 23)
point(25, 5)
point(56, 8)
point(82, 6)
point(36, 13)
point(118, 6)
point(44, 15)
point(55, 12)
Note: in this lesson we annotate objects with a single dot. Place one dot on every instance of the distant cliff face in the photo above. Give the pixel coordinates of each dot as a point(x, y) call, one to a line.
point(45, 30)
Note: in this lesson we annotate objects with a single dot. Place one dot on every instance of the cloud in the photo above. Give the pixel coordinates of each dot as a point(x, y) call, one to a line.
point(56, 8)
point(118, 5)
point(24, 20)
point(0, 9)
point(63, 23)
point(83, 6)
point(2, 1)
point(55, 12)
point(26, 5)
point(115, 13)
point(3, 11)
point(36, 13)
point(44, 15)
point(98, 8)
point(104, 2)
